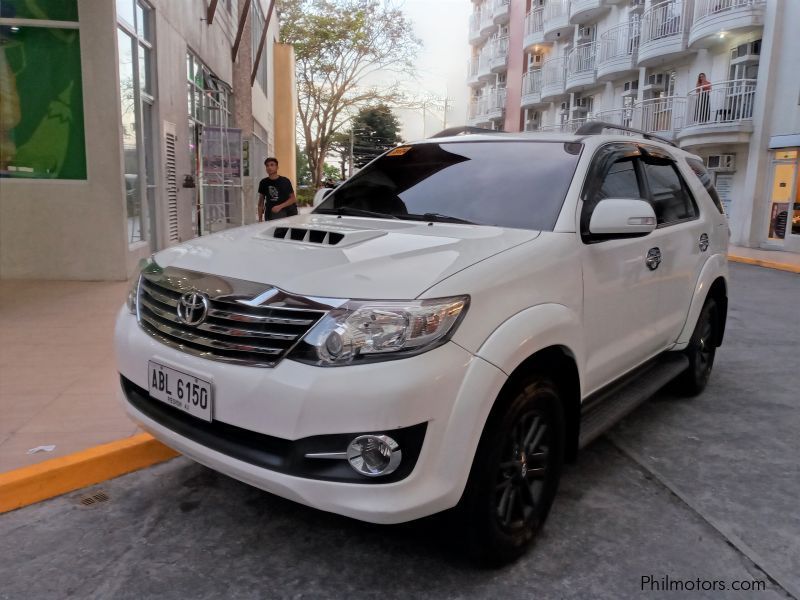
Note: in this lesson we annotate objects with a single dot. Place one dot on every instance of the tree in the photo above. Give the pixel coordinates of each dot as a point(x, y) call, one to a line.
point(303, 173)
point(338, 44)
point(375, 130)
point(330, 171)
point(340, 148)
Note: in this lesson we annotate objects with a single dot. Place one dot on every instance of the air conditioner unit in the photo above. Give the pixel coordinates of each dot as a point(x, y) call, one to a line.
point(630, 88)
point(746, 53)
point(721, 162)
point(654, 83)
point(586, 34)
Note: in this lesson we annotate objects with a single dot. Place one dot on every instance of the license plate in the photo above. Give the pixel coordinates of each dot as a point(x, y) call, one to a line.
point(180, 390)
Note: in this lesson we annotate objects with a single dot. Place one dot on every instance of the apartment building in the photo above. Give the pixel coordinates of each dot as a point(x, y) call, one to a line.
point(128, 126)
point(539, 65)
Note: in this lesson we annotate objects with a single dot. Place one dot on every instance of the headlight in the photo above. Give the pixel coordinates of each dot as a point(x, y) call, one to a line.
point(360, 331)
point(146, 265)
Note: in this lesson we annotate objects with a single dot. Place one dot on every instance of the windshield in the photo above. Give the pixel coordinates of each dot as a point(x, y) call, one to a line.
point(517, 184)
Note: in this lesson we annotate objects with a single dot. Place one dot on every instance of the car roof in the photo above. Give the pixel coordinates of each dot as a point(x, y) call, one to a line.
point(592, 140)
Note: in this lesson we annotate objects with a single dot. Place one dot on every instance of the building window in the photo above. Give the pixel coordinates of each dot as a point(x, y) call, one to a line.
point(262, 75)
point(135, 49)
point(41, 91)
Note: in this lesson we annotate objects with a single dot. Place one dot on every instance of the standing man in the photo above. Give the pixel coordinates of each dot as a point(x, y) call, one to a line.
point(276, 198)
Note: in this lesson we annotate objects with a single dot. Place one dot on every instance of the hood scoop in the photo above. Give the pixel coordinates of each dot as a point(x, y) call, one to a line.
point(319, 236)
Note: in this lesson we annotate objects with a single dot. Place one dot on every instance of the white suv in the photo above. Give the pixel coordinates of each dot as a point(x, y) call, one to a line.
point(444, 330)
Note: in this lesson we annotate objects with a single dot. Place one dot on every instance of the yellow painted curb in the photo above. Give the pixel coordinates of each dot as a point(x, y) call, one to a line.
point(765, 263)
point(57, 476)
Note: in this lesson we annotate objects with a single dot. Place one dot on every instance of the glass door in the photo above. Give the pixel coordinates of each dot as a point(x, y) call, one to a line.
point(784, 205)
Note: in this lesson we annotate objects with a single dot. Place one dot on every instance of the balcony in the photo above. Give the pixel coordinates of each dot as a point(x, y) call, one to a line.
point(556, 20)
point(488, 26)
point(532, 89)
point(485, 63)
point(472, 72)
point(586, 11)
point(664, 33)
point(487, 109)
point(499, 55)
point(553, 78)
point(534, 28)
point(626, 117)
point(617, 50)
point(581, 67)
point(663, 116)
point(721, 115)
point(475, 36)
point(731, 16)
point(570, 126)
point(500, 11)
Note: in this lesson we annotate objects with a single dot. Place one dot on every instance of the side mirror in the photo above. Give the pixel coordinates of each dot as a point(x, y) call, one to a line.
point(320, 196)
point(622, 217)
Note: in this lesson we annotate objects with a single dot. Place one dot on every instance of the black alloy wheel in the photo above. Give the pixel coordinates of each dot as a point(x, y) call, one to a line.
point(515, 473)
point(701, 351)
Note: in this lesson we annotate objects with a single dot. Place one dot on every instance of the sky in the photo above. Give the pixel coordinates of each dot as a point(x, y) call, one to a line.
point(442, 25)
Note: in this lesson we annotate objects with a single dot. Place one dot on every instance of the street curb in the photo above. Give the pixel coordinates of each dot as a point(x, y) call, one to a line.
point(57, 476)
point(765, 263)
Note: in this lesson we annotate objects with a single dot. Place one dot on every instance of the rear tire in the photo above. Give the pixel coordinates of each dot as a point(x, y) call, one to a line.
point(515, 473)
point(701, 351)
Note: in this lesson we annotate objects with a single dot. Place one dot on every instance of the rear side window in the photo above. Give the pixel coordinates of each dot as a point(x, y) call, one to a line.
point(517, 184)
point(705, 178)
point(668, 194)
point(620, 181)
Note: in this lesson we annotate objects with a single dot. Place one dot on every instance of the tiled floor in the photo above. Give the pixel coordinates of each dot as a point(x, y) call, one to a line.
point(57, 376)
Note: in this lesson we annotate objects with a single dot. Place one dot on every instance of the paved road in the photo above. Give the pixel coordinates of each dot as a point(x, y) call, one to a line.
point(704, 489)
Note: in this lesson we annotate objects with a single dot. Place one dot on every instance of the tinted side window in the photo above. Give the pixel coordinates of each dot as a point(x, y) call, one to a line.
point(705, 178)
point(620, 181)
point(668, 194)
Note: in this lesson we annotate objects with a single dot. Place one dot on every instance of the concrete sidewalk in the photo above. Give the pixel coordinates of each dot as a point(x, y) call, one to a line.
point(58, 380)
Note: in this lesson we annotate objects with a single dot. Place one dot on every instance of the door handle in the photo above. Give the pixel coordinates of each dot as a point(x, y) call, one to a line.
point(703, 243)
point(653, 258)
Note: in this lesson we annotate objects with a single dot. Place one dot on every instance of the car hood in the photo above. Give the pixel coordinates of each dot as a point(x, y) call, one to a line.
point(347, 257)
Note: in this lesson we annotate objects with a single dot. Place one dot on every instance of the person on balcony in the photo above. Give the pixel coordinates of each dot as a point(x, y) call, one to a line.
point(702, 110)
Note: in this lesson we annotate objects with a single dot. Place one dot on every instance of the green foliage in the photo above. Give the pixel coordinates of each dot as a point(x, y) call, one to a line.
point(305, 196)
point(303, 173)
point(337, 44)
point(330, 171)
point(375, 130)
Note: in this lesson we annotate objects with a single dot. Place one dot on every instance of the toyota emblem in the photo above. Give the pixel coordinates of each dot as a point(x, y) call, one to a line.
point(192, 308)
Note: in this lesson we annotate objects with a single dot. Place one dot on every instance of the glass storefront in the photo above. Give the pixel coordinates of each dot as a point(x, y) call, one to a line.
point(784, 198)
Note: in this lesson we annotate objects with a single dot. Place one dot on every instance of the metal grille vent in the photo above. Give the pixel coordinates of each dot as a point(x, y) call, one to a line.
point(313, 236)
point(237, 328)
point(172, 186)
point(95, 499)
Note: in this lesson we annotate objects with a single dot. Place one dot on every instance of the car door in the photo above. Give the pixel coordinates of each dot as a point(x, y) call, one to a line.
point(681, 240)
point(620, 290)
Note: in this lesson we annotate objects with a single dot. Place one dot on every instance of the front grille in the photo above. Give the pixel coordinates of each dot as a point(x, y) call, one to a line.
point(246, 323)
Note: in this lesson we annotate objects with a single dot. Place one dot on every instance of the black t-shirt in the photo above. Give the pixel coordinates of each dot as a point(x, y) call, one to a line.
point(276, 191)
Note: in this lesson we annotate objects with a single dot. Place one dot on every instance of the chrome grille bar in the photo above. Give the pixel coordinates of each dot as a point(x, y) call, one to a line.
point(246, 323)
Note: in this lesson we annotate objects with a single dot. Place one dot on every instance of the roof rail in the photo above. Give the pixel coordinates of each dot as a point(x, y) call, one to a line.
point(597, 127)
point(462, 129)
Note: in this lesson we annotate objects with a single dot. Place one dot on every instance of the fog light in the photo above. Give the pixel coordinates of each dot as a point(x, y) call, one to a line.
point(374, 455)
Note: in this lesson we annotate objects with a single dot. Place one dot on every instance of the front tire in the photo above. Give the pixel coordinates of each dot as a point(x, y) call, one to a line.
point(515, 473)
point(701, 351)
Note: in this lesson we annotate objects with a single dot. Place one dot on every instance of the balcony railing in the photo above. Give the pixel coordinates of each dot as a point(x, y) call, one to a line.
point(664, 20)
point(475, 24)
point(499, 50)
point(726, 102)
point(570, 126)
point(581, 59)
point(619, 41)
point(532, 82)
point(553, 75)
point(489, 105)
point(500, 9)
point(555, 9)
point(534, 23)
point(710, 8)
point(662, 115)
point(627, 117)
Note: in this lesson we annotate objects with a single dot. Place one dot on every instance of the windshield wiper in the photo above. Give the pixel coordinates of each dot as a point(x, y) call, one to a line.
point(354, 212)
point(436, 217)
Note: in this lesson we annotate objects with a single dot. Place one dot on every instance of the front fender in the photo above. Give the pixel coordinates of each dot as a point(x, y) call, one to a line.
point(533, 329)
point(716, 266)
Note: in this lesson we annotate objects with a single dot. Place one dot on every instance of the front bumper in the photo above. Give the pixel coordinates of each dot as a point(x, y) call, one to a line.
point(447, 393)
